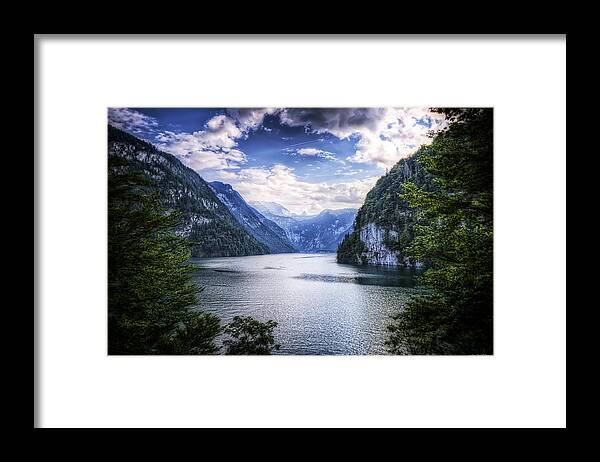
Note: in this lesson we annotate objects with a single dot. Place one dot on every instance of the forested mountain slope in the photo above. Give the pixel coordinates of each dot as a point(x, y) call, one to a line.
point(263, 229)
point(318, 233)
point(384, 224)
point(206, 222)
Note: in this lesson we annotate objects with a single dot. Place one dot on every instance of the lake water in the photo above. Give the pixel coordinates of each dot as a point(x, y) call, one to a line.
point(321, 307)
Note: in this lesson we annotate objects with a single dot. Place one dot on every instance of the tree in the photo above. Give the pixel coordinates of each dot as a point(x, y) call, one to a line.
point(150, 290)
point(455, 238)
point(350, 249)
point(250, 337)
point(195, 336)
point(384, 207)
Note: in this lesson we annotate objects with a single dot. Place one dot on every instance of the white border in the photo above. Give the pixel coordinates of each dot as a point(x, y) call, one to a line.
point(523, 384)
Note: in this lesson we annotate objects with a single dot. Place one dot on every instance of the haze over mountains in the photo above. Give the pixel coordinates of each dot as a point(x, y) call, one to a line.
point(261, 228)
point(302, 233)
point(220, 223)
point(216, 218)
point(272, 208)
point(310, 233)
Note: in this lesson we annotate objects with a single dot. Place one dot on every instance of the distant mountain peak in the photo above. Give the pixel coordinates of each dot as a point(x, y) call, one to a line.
point(272, 208)
point(220, 184)
point(306, 232)
point(260, 227)
point(337, 212)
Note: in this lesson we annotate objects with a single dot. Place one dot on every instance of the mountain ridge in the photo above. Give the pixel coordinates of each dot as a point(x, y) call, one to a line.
point(256, 224)
point(384, 224)
point(314, 233)
point(207, 223)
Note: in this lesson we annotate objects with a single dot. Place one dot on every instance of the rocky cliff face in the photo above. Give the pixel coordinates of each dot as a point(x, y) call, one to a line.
point(377, 242)
point(376, 252)
point(384, 224)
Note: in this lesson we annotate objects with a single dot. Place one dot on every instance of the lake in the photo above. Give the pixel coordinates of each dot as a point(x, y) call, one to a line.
point(321, 307)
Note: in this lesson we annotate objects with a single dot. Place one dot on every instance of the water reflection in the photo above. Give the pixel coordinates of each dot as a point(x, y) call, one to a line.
point(322, 307)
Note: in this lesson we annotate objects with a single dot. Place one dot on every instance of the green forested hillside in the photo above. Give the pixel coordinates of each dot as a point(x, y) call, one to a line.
point(385, 207)
point(440, 201)
point(207, 223)
point(456, 237)
point(153, 298)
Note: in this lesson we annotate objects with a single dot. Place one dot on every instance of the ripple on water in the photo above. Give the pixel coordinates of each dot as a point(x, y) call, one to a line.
point(321, 307)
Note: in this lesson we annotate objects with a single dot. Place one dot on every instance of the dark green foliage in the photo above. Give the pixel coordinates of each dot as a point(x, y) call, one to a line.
point(384, 204)
point(456, 237)
point(385, 207)
point(194, 336)
point(247, 336)
point(350, 249)
point(150, 290)
point(204, 220)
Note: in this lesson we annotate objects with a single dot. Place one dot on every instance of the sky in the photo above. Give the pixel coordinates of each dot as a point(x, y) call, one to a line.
point(306, 159)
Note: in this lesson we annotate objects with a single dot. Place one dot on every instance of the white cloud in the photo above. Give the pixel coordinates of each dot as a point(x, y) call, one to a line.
point(383, 136)
point(312, 152)
point(207, 149)
point(204, 160)
point(372, 149)
point(280, 184)
point(131, 120)
point(250, 118)
point(214, 147)
point(386, 135)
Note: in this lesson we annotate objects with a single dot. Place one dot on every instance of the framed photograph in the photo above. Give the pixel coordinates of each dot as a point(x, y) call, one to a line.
point(306, 231)
point(224, 225)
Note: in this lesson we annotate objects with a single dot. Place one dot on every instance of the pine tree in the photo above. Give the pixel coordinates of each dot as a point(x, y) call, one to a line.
point(350, 249)
point(455, 237)
point(247, 336)
point(150, 291)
